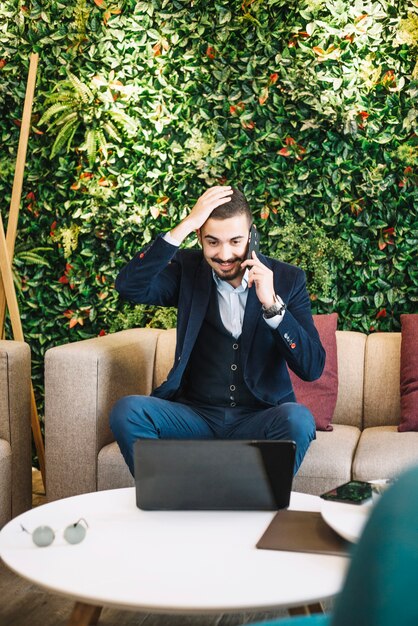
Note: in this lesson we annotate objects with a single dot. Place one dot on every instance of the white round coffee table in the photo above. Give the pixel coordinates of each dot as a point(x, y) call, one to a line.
point(184, 562)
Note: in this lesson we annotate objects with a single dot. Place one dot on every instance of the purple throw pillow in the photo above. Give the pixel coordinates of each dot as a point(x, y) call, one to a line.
point(320, 396)
point(409, 373)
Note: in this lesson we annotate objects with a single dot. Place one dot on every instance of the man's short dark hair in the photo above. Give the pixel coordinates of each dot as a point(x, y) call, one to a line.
point(238, 205)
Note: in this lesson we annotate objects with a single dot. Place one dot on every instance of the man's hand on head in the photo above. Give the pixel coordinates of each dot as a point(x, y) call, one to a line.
point(208, 201)
point(262, 277)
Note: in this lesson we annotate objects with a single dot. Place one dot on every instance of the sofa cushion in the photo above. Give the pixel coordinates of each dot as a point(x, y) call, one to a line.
point(382, 403)
point(383, 452)
point(328, 460)
point(320, 396)
point(351, 346)
point(112, 471)
point(409, 373)
point(164, 356)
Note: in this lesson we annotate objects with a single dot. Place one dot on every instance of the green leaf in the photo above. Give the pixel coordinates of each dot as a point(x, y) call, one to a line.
point(378, 299)
point(91, 142)
point(64, 136)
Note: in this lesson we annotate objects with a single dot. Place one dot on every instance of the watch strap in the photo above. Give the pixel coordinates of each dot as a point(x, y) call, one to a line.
point(278, 308)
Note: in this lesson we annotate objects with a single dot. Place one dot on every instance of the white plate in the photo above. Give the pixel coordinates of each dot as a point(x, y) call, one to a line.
point(347, 520)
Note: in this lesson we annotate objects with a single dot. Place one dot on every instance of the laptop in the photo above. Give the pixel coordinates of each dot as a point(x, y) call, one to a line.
point(214, 474)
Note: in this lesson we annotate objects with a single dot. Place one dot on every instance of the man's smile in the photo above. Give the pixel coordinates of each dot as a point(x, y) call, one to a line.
point(226, 265)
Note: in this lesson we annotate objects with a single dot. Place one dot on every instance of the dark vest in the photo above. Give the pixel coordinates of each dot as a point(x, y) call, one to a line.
point(214, 374)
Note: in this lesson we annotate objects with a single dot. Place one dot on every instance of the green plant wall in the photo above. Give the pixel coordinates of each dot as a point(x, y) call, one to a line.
point(310, 106)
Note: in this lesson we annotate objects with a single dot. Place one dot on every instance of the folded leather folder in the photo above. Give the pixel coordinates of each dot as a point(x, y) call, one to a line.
point(302, 531)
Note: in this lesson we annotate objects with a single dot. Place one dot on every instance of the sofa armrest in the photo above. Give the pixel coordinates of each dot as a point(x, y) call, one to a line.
point(82, 382)
point(15, 429)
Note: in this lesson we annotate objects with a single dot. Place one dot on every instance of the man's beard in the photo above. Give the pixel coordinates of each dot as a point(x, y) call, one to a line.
point(230, 274)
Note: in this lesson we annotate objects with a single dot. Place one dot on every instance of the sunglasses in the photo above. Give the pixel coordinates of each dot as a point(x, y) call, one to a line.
point(43, 536)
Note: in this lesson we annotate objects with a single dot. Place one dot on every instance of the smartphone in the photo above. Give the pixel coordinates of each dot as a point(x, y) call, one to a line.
point(353, 492)
point(253, 242)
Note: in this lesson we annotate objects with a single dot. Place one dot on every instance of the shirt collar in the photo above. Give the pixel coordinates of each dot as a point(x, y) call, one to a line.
point(224, 286)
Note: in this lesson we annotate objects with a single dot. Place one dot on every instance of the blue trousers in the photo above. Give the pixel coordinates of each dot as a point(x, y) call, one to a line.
point(146, 417)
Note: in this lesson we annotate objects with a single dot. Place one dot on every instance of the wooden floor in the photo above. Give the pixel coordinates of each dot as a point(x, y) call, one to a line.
point(24, 604)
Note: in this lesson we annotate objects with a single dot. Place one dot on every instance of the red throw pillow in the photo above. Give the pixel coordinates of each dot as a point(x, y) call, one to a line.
point(320, 396)
point(409, 373)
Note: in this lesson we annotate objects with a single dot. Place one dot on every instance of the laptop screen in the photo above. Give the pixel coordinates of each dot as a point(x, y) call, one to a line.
point(215, 474)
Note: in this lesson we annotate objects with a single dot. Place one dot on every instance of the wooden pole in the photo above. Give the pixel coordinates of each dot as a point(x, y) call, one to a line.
point(18, 177)
point(13, 307)
point(7, 246)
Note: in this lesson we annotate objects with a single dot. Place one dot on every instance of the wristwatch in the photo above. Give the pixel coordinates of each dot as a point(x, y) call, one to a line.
point(277, 308)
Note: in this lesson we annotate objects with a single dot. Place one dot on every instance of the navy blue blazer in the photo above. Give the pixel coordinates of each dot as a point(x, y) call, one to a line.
point(165, 275)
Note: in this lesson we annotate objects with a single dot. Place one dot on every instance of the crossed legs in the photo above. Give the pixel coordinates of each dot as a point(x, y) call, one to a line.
point(147, 417)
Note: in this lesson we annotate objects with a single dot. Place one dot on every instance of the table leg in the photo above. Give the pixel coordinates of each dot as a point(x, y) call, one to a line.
point(84, 615)
point(309, 609)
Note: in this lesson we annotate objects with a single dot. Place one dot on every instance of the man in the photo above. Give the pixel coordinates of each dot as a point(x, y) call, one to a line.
point(240, 323)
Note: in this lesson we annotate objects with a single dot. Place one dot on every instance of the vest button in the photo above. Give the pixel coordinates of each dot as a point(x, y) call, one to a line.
point(235, 346)
point(233, 367)
point(233, 404)
point(232, 387)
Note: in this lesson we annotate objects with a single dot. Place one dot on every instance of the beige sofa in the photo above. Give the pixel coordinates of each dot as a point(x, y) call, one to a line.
point(84, 379)
point(15, 430)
